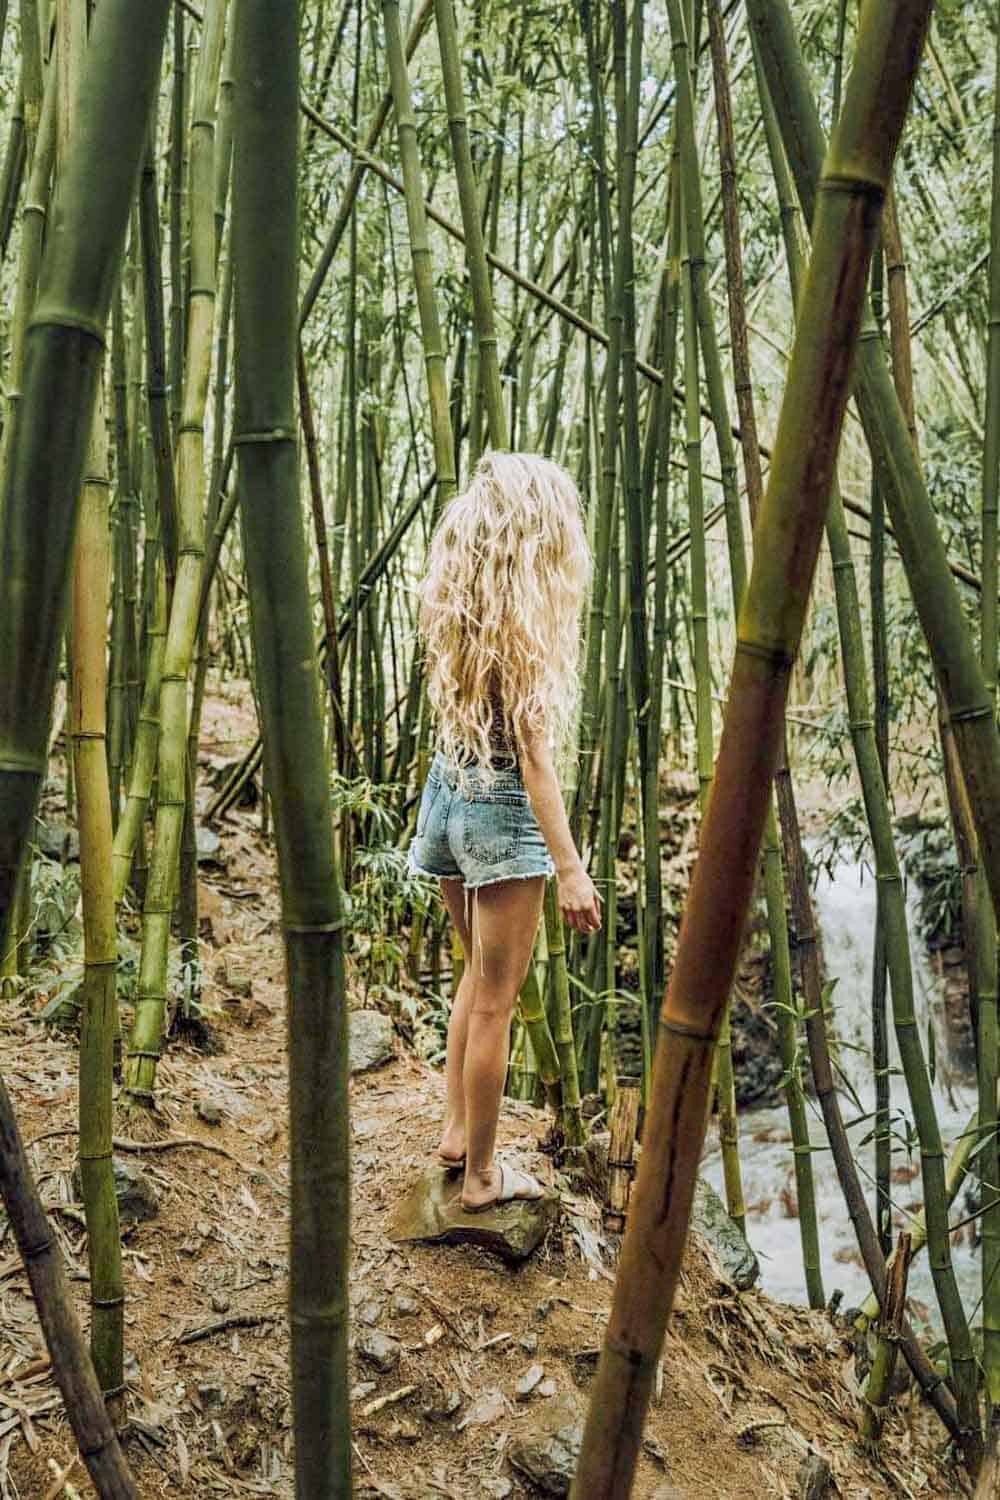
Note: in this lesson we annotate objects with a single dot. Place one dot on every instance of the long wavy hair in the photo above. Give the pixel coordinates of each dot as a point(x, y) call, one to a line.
point(507, 570)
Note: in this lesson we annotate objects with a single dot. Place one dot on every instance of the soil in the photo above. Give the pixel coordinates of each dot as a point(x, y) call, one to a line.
point(751, 1393)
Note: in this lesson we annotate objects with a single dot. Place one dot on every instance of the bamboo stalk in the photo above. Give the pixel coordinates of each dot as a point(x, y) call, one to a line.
point(789, 533)
point(265, 251)
point(88, 732)
point(173, 793)
point(74, 1373)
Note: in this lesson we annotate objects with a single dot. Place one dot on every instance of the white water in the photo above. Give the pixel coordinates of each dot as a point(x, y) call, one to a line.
point(845, 911)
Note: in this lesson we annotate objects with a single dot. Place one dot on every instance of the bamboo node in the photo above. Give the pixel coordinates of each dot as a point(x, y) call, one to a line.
point(65, 320)
point(267, 435)
point(970, 714)
point(681, 1028)
point(777, 655)
point(856, 187)
point(198, 427)
point(107, 1302)
point(307, 927)
point(637, 1358)
point(32, 1252)
point(22, 763)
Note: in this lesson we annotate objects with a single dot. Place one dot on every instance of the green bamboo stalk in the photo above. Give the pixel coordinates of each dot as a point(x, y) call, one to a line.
point(34, 219)
point(562, 1025)
point(786, 1009)
point(988, 1159)
point(62, 360)
point(88, 733)
point(99, 1020)
point(265, 251)
point(174, 786)
point(423, 276)
point(475, 247)
point(698, 326)
point(788, 535)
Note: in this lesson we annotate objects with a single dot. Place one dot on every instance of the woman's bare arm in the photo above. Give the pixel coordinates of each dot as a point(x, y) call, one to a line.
point(578, 898)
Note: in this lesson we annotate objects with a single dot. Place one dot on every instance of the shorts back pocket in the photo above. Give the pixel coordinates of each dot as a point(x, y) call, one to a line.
point(492, 825)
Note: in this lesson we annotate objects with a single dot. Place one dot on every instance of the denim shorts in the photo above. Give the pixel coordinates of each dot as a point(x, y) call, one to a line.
point(481, 836)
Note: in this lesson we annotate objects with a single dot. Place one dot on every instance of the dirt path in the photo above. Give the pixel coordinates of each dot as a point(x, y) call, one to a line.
point(752, 1394)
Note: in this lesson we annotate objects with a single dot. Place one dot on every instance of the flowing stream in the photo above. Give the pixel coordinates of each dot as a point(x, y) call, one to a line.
point(845, 911)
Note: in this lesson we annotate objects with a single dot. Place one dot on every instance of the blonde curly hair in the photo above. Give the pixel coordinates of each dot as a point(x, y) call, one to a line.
point(499, 605)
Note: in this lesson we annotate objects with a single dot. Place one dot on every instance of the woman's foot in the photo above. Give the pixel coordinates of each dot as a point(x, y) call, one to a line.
point(501, 1183)
point(451, 1152)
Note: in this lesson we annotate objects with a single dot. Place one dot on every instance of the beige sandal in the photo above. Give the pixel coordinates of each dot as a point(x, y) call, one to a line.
point(514, 1184)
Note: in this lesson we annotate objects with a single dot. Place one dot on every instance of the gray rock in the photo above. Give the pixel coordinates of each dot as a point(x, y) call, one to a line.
point(219, 1303)
point(369, 1311)
point(209, 1111)
point(378, 1350)
point(710, 1220)
point(371, 1040)
point(404, 1306)
point(528, 1342)
point(532, 1376)
point(432, 1212)
point(546, 1452)
point(136, 1193)
point(208, 846)
point(440, 1405)
point(497, 1489)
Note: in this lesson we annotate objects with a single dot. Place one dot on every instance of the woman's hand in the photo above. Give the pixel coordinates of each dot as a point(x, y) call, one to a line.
point(579, 899)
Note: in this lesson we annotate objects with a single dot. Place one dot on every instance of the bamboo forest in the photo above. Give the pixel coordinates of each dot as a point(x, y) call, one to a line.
point(617, 380)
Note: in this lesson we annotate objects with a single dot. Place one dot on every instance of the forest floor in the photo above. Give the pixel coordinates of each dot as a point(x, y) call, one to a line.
point(753, 1398)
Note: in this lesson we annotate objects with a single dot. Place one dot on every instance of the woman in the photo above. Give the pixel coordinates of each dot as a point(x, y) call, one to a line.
point(499, 609)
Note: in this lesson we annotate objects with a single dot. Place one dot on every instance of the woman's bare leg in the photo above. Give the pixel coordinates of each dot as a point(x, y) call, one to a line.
point(453, 1139)
point(504, 923)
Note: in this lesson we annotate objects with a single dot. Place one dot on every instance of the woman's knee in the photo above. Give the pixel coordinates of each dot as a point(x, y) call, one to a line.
point(493, 998)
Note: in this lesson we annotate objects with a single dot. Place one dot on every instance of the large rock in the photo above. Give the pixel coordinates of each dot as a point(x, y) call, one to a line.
point(546, 1450)
point(371, 1040)
point(432, 1211)
point(135, 1191)
point(710, 1220)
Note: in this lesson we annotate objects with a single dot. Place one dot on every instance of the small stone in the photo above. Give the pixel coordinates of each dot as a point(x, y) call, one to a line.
point(208, 1111)
point(547, 1387)
point(528, 1382)
point(362, 1389)
point(497, 1489)
point(208, 846)
point(379, 1350)
point(655, 1450)
point(220, 1304)
point(266, 1131)
point(547, 1451)
point(402, 1431)
point(236, 979)
point(370, 1040)
point(403, 1306)
point(488, 1407)
point(528, 1342)
point(441, 1405)
point(369, 1312)
point(712, 1223)
point(432, 1212)
point(137, 1196)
